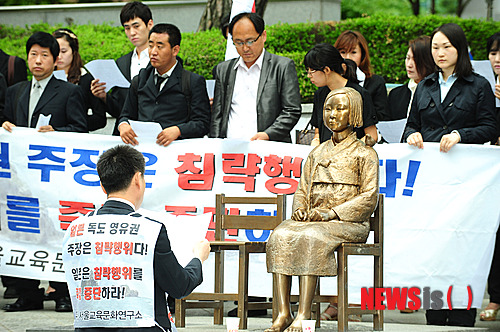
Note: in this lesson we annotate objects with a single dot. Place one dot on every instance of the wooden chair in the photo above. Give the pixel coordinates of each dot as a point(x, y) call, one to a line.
point(343, 251)
point(223, 221)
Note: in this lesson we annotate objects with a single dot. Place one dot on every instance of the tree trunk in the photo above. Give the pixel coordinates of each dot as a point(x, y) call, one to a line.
point(433, 7)
point(415, 6)
point(489, 11)
point(461, 4)
point(216, 9)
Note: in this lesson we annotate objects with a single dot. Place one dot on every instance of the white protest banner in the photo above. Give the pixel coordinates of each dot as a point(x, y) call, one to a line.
point(109, 268)
point(441, 210)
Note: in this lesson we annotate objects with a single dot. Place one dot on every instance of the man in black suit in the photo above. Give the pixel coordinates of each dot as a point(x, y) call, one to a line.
point(25, 102)
point(44, 95)
point(166, 93)
point(121, 171)
point(137, 20)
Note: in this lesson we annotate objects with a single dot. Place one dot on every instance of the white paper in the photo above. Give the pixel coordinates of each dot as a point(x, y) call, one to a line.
point(483, 68)
point(43, 120)
point(184, 232)
point(145, 129)
point(210, 88)
point(108, 72)
point(60, 75)
point(392, 131)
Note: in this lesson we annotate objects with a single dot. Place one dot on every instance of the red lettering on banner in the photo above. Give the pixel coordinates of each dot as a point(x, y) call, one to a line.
point(234, 163)
point(197, 180)
point(367, 298)
point(282, 175)
point(69, 207)
point(211, 228)
point(413, 296)
point(272, 185)
point(177, 210)
point(292, 165)
point(396, 297)
point(379, 298)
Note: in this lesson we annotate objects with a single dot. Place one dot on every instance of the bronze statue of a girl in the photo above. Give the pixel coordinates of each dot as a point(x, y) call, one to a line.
point(337, 193)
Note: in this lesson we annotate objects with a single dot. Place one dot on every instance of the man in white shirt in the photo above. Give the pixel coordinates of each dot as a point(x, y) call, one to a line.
point(257, 96)
point(137, 20)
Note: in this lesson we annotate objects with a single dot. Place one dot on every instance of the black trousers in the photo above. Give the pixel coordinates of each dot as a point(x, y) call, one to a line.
point(455, 317)
point(29, 288)
point(494, 277)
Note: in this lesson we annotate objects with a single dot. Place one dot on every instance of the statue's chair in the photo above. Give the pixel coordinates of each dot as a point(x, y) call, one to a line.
point(223, 222)
point(343, 252)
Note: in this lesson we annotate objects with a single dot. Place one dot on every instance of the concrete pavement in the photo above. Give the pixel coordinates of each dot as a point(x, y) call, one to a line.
point(200, 320)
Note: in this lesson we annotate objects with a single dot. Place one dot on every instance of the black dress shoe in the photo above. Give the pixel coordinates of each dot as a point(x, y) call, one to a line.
point(24, 304)
point(10, 293)
point(63, 304)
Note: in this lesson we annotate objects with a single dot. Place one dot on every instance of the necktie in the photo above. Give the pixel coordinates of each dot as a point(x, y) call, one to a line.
point(34, 98)
point(159, 81)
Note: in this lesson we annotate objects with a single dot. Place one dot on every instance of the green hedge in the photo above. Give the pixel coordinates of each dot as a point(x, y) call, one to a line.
point(387, 37)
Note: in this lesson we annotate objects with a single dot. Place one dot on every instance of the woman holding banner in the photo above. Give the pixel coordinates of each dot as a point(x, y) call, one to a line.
point(450, 106)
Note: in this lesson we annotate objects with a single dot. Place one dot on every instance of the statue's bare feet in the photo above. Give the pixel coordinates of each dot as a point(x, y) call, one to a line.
point(296, 325)
point(280, 323)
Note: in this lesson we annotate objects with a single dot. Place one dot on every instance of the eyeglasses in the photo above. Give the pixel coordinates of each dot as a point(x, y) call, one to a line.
point(249, 43)
point(310, 72)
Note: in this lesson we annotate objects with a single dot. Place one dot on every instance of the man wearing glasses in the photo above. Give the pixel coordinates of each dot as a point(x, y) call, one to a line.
point(257, 95)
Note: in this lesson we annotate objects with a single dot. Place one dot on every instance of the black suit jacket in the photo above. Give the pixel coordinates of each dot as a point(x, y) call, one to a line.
point(3, 91)
point(96, 119)
point(116, 97)
point(169, 275)
point(278, 98)
point(375, 85)
point(61, 99)
point(468, 108)
point(169, 107)
point(20, 72)
point(398, 101)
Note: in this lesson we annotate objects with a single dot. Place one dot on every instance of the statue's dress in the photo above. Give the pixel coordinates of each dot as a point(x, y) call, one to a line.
point(343, 178)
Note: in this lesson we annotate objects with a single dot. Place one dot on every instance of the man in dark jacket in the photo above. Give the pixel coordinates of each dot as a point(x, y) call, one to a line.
point(121, 172)
point(161, 94)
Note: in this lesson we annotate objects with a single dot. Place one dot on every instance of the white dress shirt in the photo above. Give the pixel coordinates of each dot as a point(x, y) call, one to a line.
point(242, 121)
point(136, 64)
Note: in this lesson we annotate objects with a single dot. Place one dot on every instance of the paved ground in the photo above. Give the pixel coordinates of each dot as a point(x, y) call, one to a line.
point(200, 320)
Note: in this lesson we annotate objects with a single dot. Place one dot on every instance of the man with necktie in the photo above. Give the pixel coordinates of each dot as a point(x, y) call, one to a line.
point(166, 93)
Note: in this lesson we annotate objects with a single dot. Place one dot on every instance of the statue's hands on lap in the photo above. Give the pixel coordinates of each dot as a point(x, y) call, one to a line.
point(322, 215)
point(299, 215)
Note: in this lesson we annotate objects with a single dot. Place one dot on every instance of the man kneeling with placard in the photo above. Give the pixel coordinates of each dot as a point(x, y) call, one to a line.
point(116, 280)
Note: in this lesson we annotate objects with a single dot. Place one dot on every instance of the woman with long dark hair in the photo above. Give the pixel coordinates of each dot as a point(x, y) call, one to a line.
point(329, 71)
point(450, 106)
point(71, 62)
point(419, 64)
point(352, 45)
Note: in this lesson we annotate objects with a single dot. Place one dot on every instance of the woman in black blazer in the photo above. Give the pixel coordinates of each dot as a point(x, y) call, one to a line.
point(454, 104)
point(419, 64)
point(70, 61)
point(491, 311)
point(352, 45)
